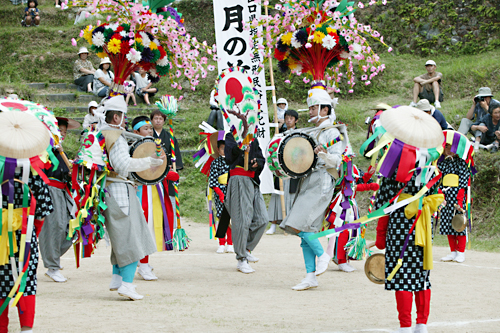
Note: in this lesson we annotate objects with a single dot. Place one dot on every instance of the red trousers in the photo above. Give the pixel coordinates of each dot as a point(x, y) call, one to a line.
point(26, 310)
point(457, 243)
point(404, 302)
point(228, 238)
point(342, 240)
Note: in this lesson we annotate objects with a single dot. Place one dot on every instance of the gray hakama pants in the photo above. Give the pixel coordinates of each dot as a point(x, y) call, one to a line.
point(311, 202)
point(129, 234)
point(53, 240)
point(247, 209)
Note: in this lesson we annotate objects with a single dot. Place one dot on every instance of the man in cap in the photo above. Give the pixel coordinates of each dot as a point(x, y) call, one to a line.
point(316, 190)
point(428, 86)
point(479, 108)
point(127, 228)
point(425, 106)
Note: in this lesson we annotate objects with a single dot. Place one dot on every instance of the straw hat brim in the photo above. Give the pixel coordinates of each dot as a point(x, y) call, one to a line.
point(413, 127)
point(72, 124)
point(22, 135)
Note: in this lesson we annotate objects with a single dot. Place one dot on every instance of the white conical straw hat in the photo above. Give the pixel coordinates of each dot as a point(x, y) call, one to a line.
point(22, 135)
point(413, 127)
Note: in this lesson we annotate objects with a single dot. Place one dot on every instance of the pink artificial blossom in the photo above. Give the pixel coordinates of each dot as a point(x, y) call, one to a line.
point(367, 83)
point(73, 42)
point(360, 5)
point(287, 81)
point(389, 49)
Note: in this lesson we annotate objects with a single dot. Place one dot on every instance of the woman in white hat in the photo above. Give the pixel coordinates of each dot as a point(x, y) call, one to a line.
point(83, 71)
point(103, 78)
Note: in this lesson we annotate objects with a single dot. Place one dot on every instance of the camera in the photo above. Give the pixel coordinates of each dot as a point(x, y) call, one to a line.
point(478, 99)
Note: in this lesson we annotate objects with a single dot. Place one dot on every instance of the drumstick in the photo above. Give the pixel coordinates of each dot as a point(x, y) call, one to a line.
point(334, 141)
point(371, 245)
point(65, 159)
point(246, 161)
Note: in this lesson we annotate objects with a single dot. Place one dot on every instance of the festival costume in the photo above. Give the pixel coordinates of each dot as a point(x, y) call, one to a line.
point(243, 200)
point(53, 237)
point(217, 180)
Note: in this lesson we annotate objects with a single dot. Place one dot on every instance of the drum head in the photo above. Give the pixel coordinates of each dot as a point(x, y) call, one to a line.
point(298, 156)
point(147, 148)
point(375, 268)
point(459, 223)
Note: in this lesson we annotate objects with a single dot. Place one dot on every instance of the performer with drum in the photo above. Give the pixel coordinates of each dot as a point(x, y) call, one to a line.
point(456, 178)
point(155, 203)
point(127, 228)
point(289, 185)
point(316, 190)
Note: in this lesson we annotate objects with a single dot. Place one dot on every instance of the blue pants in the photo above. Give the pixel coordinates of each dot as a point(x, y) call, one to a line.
point(310, 250)
point(126, 272)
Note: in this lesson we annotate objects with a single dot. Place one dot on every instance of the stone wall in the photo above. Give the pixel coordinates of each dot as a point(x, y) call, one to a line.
point(428, 27)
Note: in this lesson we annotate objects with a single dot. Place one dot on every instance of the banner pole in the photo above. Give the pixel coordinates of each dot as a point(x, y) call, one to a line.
point(277, 129)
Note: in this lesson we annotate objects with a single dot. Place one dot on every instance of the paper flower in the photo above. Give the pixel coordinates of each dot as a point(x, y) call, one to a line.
point(98, 39)
point(133, 56)
point(114, 45)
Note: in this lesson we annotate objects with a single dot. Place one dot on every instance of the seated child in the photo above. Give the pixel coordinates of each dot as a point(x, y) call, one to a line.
point(154, 215)
point(90, 118)
point(219, 169)
point(32, 14)
point(129, 87)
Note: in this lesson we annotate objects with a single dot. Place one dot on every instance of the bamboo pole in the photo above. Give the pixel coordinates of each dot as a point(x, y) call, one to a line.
point(277, 130)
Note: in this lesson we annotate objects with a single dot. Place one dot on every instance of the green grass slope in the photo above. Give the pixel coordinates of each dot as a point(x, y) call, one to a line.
point(45, 54)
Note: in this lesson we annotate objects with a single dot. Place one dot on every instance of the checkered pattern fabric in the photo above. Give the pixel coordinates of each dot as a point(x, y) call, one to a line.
point(411, 276)
point(217, 169)
point(43, 208)
point(458, 167)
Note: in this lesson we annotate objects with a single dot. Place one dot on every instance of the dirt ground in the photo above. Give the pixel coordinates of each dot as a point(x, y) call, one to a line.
point(201, 291)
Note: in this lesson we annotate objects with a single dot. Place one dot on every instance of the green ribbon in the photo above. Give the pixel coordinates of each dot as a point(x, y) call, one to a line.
point(378, 132)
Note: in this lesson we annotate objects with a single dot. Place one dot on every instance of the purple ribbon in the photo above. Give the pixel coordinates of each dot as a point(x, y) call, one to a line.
point(456, 141)
point(349, 176)
point(348, 192)
point(220, 135)
point(391, 160)
point(166, 227)
point(200, 153)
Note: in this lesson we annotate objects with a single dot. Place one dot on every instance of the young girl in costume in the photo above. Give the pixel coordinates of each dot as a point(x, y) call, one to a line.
point(150, 197)
point(219, 171)
point(456, 177)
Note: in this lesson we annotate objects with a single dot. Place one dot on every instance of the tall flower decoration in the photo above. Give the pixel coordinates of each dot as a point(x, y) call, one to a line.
point(137, 35)
point(320, 39)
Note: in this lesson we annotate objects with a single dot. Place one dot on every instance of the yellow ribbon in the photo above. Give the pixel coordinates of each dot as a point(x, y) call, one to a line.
point(423, 228)
point(157, 218)
point(223, 179)
point(4, 239)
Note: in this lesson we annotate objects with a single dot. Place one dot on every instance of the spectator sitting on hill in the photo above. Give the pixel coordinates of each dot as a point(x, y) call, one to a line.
point(32, 14)
point(425, 106)
point(128, 88)
point(143, 85)
point(428, 86)
point(480, 108)
point(489, 128)
point(83, 71)
point(103, 78)
point(90, 118)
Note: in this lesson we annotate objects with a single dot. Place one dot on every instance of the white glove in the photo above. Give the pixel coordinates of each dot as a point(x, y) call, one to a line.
point(331, 160)
point(156, 162)
point(141, 164)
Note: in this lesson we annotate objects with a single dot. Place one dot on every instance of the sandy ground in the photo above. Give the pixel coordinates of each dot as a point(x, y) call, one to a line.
point(201, 291)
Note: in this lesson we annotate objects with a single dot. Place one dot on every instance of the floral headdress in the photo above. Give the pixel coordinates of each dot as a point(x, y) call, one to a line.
point(318, 38)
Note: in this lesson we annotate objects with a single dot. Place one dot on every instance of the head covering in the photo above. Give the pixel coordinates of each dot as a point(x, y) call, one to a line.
point(83, 49)
point(484, 92)
point(430, 62)
point(72, 124)
point(22, 135)
point(292, 113)
point(317, 95)
point(382, 106)
point(92, 104)
point(282, 101)
point(116, 103)
point(424, 105)
point(140, 121)
point(105, 60)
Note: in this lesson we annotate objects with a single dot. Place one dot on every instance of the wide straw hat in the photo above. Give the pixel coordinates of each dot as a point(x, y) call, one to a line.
point(413, 127)
point(72, 124)
point(105, 60)
point(22, 135)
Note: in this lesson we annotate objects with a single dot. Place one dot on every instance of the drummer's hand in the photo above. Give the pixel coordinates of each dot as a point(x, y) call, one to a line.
point(247, 150)
point(320, 149)
point(60, 148)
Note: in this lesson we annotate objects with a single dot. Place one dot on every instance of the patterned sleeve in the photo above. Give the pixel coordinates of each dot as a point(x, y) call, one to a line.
point(215, 172)
point(43, 199)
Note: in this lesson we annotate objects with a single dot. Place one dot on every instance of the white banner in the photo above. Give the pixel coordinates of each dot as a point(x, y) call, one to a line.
point(233, 49)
